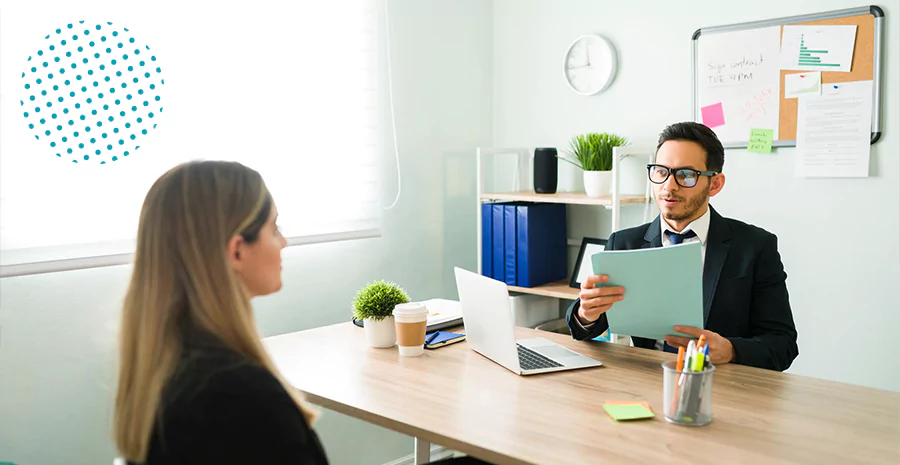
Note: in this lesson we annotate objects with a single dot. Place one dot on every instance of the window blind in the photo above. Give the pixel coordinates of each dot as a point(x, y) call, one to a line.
point(97, 103)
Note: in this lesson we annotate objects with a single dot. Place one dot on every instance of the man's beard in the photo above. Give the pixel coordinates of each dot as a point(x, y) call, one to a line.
point(691, 208)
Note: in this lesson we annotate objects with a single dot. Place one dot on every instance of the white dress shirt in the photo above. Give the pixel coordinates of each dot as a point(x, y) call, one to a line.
point(700, 226)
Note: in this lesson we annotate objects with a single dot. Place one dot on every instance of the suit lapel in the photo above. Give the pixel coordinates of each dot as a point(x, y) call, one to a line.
point(717, 246)
point(652, 238)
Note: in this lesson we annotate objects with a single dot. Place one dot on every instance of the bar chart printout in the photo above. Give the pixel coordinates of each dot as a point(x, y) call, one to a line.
point(818, 48)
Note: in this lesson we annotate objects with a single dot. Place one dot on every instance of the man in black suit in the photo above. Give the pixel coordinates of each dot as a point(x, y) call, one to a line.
point(747, 316)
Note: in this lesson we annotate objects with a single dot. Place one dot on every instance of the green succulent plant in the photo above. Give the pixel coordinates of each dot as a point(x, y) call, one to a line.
point(376, 300)
point(594, 151)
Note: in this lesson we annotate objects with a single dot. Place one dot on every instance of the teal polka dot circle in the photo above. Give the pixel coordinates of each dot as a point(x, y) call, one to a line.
point(53, 88)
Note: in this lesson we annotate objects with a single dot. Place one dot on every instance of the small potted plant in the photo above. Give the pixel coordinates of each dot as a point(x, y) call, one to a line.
point(593, 154)
point(374, 306)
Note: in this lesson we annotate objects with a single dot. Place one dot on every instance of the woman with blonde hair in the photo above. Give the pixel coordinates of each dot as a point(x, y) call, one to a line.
point(195, 383)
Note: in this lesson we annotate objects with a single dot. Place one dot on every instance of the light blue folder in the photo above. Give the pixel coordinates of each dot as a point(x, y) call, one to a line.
point(663, 288)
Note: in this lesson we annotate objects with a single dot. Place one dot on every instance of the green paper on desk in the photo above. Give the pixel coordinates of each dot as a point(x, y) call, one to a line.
point(760, 140)
point(663, 289)
point(627, 411)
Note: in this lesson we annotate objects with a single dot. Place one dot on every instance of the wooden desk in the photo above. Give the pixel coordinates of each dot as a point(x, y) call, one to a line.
point(455, 397)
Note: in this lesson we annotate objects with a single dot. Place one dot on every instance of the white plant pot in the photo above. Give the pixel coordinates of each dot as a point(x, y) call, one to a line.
point(597, 183)
point(380, 333)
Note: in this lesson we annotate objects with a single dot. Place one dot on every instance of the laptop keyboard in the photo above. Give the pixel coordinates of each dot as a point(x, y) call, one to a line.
point(531, 360)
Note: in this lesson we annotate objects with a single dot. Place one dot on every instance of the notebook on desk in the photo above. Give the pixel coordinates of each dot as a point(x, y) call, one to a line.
point(442, 313)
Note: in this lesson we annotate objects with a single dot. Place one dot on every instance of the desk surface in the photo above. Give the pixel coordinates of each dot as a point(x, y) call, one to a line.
point(457, 398)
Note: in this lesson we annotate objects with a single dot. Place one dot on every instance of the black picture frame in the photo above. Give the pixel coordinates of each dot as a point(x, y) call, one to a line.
point(573, 281)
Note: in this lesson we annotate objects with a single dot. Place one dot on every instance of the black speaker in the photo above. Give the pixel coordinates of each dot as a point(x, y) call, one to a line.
point(545, 170)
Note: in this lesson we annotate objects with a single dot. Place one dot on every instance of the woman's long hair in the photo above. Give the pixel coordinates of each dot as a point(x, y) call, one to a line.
point(181, 274)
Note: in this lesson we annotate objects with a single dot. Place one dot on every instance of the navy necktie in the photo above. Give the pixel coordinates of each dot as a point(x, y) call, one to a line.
point(676, 238)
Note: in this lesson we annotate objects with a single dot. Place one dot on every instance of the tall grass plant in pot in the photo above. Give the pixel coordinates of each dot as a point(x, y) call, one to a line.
point(593, 154)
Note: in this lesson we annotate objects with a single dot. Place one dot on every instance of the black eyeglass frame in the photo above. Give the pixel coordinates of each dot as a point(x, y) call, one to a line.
point(672, 170)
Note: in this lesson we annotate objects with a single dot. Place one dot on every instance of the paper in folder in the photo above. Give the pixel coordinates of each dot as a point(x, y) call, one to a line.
point(663, 288)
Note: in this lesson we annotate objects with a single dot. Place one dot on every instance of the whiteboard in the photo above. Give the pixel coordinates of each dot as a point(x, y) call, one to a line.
point(740, 72)
point(737, 64)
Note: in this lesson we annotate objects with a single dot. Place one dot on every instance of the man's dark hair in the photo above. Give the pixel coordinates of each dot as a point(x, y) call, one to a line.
point(696, 132)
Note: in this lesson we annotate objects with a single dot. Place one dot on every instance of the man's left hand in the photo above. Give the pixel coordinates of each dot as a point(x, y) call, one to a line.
point(720, 349)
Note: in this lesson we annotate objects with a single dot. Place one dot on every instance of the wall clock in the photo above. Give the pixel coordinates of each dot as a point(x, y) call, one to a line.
point(590, 64)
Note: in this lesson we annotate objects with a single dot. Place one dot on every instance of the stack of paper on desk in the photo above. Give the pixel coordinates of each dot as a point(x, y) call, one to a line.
point(443, 313)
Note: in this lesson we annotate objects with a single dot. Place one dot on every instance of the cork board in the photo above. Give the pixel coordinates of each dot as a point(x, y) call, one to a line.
point(861, 69)
point(738, 84)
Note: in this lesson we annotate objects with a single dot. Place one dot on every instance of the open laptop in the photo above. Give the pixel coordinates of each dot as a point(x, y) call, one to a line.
point(490, 330)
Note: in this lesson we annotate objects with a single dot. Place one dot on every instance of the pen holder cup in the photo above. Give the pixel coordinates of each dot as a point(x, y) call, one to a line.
point(687, 395)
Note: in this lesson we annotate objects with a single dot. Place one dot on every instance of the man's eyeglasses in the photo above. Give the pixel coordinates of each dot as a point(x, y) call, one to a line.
point(684, 177)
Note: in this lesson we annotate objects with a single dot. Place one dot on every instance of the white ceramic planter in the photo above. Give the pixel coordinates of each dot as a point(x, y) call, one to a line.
point(381, 334)
point(597, 183)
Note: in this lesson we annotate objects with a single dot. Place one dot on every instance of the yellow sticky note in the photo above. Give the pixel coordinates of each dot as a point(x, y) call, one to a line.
point(761, 140)
point(627, 411)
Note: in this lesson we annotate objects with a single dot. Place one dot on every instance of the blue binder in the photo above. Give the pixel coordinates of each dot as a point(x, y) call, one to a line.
point(509, 243)
point(499, 268)
point(540, 244)
point(487, 241)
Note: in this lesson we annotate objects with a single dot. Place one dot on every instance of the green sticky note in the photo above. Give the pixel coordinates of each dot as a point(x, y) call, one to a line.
point(627, 411)
point(761, 140)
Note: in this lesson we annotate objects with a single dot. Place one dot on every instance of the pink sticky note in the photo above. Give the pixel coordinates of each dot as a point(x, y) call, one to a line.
point(712, 115)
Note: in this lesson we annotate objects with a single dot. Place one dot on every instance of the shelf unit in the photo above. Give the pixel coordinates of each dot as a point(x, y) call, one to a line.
point(557, 289)
point(571, 198)
point(523, 191)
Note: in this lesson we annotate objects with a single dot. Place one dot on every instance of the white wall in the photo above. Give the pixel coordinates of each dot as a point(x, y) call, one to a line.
point(58, 331)
point(839, 238)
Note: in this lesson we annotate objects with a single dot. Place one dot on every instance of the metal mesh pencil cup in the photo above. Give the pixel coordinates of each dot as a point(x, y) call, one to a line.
point(687, 395)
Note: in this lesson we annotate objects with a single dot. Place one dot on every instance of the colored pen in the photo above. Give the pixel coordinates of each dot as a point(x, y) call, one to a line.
point(690, 354)
point(432, 337)
point(695, 356)
point(678, 367)
point(681, 365)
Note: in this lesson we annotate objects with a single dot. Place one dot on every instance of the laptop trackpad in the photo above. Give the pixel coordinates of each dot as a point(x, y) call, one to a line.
point(555, 352)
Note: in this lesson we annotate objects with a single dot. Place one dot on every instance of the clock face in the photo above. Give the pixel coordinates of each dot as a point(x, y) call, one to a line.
point(590, 64)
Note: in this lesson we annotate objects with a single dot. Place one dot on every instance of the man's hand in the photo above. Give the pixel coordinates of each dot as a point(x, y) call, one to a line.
point(720, 349)
point(595, 301)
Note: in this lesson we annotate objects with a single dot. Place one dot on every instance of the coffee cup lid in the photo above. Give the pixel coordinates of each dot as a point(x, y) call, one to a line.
point(410, 309)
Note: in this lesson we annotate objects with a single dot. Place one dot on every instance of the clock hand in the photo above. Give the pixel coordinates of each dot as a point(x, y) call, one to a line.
point(588, 55)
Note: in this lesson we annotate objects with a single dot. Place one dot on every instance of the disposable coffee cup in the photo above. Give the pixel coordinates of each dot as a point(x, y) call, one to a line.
point(410, 320)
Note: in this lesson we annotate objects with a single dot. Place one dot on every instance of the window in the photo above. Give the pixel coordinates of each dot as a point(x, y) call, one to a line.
point(98, 103)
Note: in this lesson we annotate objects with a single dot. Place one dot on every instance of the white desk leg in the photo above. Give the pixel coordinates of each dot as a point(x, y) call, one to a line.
point(423, 451)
